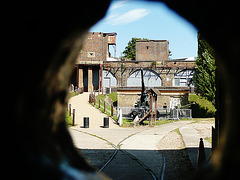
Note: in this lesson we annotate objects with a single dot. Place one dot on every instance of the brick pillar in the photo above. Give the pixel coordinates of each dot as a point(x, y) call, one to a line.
point(167, 80)
point(90, 84)
point(80, 77)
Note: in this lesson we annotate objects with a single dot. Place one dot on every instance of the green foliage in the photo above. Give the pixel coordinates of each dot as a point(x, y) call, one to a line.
point(113, 96)
point(130, 49)
point(101, 97)
point(202, 107)
point(68, 119)
point(154, 63)
point(204, 77)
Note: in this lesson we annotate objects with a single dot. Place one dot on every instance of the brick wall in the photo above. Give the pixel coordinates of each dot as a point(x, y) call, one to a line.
point(154, 50)
point(95, 47)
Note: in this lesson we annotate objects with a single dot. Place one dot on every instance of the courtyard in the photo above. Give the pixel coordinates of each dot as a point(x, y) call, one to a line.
point(169, 150)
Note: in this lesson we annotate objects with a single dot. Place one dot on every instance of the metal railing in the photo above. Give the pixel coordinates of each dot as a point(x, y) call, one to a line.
point(162, 113)
point(102, 105)
point(181, 114)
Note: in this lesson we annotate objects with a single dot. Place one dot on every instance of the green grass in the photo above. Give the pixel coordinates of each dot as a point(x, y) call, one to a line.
point(68, 119)
point(202, 101)
point(113, 96)
point(208, 139)
point(159, 122)
point(129, 122)
point(202, 107)
point(102, 97)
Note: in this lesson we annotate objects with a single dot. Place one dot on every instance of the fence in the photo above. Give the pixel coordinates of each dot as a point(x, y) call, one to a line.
point(127, 112)
point(162, 113)
point(102, 105)
point(180, 114)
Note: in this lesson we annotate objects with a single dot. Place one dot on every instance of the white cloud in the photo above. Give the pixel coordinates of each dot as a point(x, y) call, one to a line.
point(128, 17)
point(117, 4)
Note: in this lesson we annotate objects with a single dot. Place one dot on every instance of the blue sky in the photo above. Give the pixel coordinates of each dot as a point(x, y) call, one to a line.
point(151, 20)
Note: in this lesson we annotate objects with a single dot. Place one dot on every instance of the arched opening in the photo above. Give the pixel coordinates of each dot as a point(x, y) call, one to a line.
point(108, 79)
point(151, 79)
point(183, 78)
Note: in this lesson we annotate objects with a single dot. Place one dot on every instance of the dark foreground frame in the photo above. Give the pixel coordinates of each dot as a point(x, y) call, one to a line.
point(42, 44)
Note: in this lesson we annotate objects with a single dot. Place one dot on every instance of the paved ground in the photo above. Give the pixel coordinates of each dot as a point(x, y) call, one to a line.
point(152, 146)
point(84, 109)
point(192, 133)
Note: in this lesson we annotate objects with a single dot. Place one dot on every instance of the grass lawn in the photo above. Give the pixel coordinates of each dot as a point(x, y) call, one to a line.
point(102, 97)
point(129, 122)
point(68, 119)
point(202, 107)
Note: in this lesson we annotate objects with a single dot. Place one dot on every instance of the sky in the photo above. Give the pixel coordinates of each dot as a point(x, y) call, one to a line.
point(151, 20)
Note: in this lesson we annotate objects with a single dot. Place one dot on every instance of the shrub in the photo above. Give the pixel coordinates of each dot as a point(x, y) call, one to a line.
point(202, 107)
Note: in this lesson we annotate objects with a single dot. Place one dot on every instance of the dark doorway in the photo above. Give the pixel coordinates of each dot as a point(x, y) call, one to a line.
point(85, 79)
point(95, 77)
point(74, 77)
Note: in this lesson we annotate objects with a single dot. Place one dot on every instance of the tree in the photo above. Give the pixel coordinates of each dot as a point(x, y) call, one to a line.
point(130, 49)
point(204, 77)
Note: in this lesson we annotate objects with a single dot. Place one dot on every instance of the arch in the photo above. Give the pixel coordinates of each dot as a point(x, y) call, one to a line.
point(151, 79)
point(108, 79)
point(183, 78)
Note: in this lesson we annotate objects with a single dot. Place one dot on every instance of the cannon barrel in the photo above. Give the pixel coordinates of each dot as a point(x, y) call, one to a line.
point(143, 92)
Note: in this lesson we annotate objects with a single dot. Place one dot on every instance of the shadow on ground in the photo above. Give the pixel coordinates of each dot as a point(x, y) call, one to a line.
point(179, 164)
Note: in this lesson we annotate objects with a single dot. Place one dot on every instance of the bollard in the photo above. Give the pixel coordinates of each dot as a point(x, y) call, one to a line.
point(111, 110)
point(73, 123)
point(86, 122)
point(201, 155)
point(106, 122)
point(120, 120)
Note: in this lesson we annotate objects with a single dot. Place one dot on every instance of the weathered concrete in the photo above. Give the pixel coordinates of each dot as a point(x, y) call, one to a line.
point(143, 144)
point(148, 144)
point(192, 133)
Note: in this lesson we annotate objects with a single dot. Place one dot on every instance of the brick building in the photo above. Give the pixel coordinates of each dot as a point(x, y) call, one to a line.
point(152, 50)
point(96, 69)
point(89, 63)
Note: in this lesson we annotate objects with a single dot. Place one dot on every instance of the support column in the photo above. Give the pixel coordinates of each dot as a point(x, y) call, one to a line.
point(80, 77)
point(100, 77)
point(167, 80)
point(77, 82)
point(90, 84)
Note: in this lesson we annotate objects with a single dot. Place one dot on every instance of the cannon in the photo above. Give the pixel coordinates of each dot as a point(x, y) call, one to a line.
point(142, 106)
